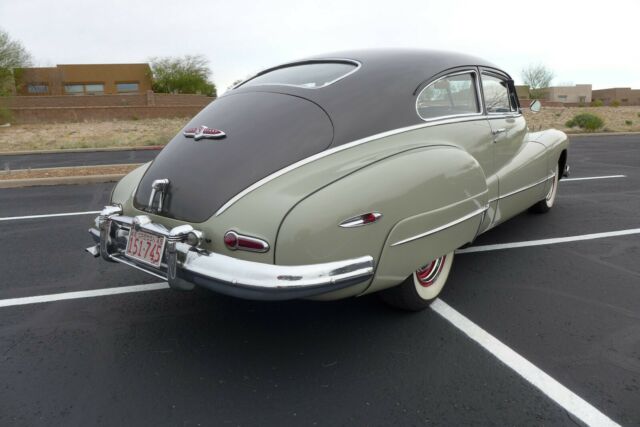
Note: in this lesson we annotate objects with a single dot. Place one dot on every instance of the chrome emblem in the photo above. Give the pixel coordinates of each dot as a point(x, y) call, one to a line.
point(203, 132)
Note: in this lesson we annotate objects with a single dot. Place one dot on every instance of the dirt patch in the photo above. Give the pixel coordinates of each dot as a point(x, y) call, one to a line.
point(120, 133)
point(154, 132)
point(70, 171)
point(616, 119)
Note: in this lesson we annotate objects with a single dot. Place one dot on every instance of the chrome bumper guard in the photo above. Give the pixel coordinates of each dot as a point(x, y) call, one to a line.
point(184, 266)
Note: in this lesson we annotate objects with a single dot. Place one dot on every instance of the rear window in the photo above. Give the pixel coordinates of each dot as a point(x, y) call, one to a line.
point(310, 75)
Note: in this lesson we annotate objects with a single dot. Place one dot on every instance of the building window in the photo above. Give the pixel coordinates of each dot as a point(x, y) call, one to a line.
point(562, 96)
point(37, 88)
point(74, 89)
point(94, 89)
point(583, 99)
point(624, 100)
point(127, 87)
point(84, 89)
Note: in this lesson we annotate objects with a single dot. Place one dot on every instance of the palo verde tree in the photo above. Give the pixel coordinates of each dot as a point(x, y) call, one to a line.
point(538, 77)
point(187, 74)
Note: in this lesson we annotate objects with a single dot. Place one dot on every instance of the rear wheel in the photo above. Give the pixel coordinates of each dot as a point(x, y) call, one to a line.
point(546, 204)
point(422, 287)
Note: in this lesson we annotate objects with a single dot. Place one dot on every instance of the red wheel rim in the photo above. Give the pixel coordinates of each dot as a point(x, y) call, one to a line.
point(429, 273)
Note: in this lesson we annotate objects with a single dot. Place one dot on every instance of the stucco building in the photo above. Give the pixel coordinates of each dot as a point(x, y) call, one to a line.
point(624, 95)
point(83, 79)
point(578, 94)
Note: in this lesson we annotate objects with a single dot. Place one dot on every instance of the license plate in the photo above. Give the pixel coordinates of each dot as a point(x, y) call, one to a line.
point(145, 247)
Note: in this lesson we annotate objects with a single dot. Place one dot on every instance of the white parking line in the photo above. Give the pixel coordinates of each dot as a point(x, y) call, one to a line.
point(552, 241)
point(527, 370)
point(538, 378)
point(83, 294)
point(586, 178)
point(15, 218)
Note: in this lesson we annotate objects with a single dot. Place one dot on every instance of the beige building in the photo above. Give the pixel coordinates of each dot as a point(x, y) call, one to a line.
point(578, 94)
point(84, 79)
point(624, 95)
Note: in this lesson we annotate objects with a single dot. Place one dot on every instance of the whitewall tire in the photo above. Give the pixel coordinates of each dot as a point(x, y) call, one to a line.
point(422, 287)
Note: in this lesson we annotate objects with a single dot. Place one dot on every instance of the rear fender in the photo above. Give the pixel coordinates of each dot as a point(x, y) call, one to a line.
point(415, 191)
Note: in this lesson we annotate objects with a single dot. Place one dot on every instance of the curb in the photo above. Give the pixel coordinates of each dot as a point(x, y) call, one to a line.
point(62, 168)
point(602, 134)
point(66, 180)
point(80, 150)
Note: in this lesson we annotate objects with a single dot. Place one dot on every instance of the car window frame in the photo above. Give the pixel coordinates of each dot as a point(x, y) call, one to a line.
point(450, 73)
point(357, 67)
point(512, 95)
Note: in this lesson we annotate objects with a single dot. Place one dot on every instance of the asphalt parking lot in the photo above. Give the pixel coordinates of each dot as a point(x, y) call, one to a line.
point(570, 308)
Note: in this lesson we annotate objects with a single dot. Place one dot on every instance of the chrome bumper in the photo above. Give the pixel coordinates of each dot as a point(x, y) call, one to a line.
point(184, 266)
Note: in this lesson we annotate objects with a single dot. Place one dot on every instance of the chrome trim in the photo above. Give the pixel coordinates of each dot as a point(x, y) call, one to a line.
point(358, 220)
point(337, 149)
point(358, 65)
point(519, 190)
point(263, 243)
point(187, 266)
point(442, 227)
point(478, 97)
point(159, 185)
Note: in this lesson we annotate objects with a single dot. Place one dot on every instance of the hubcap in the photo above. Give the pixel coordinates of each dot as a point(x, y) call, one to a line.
point(429, 273)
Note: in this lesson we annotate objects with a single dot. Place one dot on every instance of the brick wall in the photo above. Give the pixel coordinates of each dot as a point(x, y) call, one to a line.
point(38, 109)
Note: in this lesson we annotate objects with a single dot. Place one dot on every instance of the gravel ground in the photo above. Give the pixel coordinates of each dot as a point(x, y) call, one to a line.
point(157, 132)
point(48, 136)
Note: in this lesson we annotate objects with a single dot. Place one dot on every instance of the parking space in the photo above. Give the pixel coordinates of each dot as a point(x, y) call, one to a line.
point(160, 357)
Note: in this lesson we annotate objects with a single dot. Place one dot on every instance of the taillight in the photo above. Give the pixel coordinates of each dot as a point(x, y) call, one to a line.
point(359, 220)
point(235, 241)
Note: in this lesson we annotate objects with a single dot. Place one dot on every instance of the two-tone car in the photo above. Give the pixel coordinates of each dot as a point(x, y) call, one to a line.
point(335, 176)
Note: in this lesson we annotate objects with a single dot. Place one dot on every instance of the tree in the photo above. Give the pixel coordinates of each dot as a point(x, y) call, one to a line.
point(188, 74)
point(538, 77)
point(12, 55)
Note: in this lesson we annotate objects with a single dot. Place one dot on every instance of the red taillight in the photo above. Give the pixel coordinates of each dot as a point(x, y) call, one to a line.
point(234, 241)
point(359, 220)
point(231, 240)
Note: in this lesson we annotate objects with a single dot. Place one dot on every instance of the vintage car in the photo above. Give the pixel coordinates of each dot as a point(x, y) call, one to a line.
point(335, 176)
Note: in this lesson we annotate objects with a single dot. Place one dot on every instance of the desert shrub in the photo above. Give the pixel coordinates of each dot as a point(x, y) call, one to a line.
point(5, 115)
point(628, 122)
point(587, 121)
point(615, 103)
point(638, 114)
point(557, 114)
point(597, 103)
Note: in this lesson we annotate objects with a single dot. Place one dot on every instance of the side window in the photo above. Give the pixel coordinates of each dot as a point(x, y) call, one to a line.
point(449, 96)
point(496, 95)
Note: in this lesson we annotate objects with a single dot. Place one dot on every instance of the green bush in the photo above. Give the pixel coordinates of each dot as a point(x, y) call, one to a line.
point(5, 115)
point(597, 103)
point(615, 103)
point(638, 114)
point(589, 122)
point(628, 122)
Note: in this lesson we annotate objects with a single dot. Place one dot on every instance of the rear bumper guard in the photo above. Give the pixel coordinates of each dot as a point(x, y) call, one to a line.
point(184, 266)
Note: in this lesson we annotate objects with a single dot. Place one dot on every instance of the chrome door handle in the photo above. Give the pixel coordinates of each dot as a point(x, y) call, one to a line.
point(499, 131)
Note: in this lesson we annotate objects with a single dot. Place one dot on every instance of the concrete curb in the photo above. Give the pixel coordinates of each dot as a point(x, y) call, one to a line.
point(70, 168)
point(66, 180)
point(603, 134)
point(80, 150)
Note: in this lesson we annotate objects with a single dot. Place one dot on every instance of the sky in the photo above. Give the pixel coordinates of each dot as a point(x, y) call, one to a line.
point(580, 41)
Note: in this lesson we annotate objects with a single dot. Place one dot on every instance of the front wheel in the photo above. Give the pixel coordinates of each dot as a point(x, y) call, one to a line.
point(546, 204)
point(422, 287)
